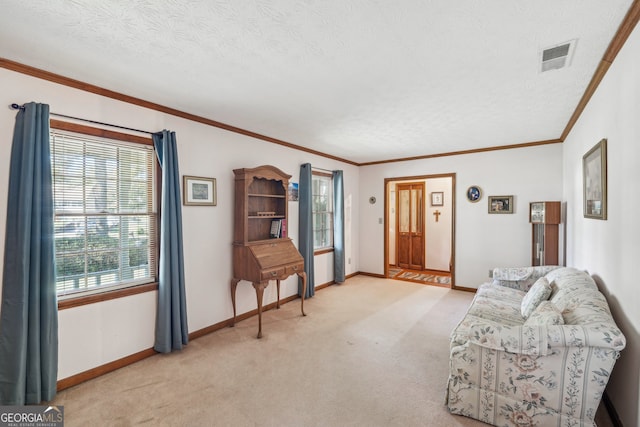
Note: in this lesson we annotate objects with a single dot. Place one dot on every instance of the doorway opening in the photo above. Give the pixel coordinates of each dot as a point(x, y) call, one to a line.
point(419, 224)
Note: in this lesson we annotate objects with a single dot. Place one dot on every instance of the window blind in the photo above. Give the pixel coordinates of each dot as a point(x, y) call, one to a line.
point(104, 212)
point(322, 211)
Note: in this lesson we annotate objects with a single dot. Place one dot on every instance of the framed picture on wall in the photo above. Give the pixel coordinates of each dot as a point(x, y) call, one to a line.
point(500, 204)
point(594, 179)
point(474, 194)
point(293, 192)
point(198, 191)
point(437, 198)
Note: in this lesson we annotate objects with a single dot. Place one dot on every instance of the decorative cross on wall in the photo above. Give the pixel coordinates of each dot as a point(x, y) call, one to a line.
point(437, 214)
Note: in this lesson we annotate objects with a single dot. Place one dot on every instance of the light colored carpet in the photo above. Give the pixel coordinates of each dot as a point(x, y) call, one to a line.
point(371, 352)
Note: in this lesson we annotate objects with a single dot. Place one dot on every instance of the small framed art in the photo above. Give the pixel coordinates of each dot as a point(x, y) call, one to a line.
point(594, 178)
point(474, 194)
point(293, 192)
point(500, 204)
point(199, 191)
point(437, 198)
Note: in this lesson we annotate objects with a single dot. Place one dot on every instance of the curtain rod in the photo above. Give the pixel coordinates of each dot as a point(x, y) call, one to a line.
point(320, 169)
point(21, 107)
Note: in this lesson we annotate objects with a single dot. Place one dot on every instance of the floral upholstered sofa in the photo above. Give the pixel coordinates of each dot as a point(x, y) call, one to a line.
point(535, 348)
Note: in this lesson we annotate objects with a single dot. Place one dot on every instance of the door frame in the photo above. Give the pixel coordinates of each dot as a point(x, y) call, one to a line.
point(387, 181)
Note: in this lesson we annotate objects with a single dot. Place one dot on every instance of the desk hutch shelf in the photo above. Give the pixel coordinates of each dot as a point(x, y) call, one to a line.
point(259, 255)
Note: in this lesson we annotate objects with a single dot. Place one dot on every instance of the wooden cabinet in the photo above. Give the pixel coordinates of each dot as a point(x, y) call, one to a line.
point(259, 254)
point(545, 219)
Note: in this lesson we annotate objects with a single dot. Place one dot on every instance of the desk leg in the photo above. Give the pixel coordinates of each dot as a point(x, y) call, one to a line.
point(278, 292)
point(234, 285)
point(304, 289)
point(259, 293)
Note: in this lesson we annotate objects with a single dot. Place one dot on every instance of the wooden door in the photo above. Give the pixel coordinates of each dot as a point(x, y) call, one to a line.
point(410, 226)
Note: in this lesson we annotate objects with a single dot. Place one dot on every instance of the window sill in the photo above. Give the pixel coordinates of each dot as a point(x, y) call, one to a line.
point(106, 296)
point(322, 251)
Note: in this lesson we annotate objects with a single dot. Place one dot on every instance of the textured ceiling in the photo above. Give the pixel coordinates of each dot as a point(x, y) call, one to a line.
point(362, 80)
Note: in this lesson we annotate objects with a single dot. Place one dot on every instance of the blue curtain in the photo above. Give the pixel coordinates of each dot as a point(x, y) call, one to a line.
point(29, 316)
point(171, 322)
point(305, 227)
point(338, 227)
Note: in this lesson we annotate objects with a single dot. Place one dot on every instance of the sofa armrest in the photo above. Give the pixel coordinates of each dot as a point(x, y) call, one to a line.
point(603, 335)
point(521, 278)
point(538, 340)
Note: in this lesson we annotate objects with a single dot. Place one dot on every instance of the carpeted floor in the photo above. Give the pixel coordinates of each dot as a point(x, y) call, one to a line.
point(370, 352)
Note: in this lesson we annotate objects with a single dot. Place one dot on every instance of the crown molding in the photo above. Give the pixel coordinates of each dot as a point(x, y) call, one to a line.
point(77, 84)
point(624, 30)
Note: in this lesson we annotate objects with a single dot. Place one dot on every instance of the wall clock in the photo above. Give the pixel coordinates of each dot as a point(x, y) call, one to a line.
point(474, 193)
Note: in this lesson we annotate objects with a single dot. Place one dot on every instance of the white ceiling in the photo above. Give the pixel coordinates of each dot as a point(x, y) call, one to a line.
point(362, 80)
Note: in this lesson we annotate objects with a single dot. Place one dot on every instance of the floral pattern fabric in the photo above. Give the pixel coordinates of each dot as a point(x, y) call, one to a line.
point(521, 278)
point(540, 291)
point(545, 314)
point(494, 305)
point(508, 372)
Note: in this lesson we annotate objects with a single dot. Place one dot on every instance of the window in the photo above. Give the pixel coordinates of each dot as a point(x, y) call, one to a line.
point(104, 212)
point(322, 194)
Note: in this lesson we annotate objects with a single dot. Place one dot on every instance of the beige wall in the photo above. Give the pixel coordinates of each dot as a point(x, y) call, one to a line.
point(439, 235)
point(482, 241)
point(96, 334)
point(610, 249)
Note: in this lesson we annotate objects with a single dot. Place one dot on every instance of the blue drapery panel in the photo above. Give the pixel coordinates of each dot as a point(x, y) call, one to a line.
point(171, 322)
point(338, 227)
point(305, 227)
point(29, 316)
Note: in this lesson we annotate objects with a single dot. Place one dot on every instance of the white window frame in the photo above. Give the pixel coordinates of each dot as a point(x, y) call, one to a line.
point(125, 287)
point(317, 199)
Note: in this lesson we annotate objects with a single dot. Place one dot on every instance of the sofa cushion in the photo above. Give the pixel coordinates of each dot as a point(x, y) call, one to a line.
point(493, 305)
point(572, 287)
point(498, 310)
point(563, 276)
point(546, 313)
point(539, 292)
point(495, 318)
point(502, 293)
point(588, 307)
point(521, 278)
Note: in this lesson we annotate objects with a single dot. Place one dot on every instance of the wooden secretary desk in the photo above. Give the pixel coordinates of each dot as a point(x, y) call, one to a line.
point(261, 249)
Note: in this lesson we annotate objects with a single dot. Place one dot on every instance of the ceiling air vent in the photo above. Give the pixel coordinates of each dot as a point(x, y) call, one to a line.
point(558, 56)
